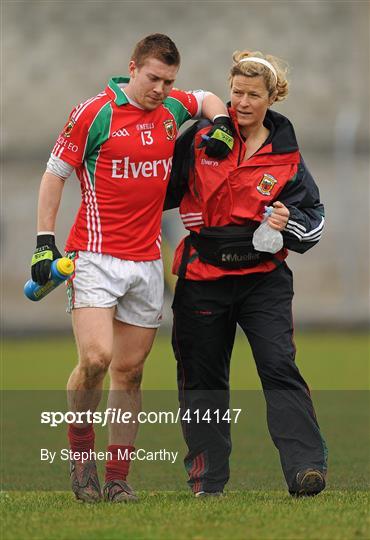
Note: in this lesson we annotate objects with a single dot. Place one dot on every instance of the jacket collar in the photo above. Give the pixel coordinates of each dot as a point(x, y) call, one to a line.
point(281, 139)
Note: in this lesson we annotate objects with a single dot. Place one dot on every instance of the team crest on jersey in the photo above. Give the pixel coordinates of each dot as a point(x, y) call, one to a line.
point(68, 128)
point(266, 185)
point(170, 129)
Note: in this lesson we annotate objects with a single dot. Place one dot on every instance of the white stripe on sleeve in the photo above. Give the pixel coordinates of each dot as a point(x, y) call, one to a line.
point(297, 230)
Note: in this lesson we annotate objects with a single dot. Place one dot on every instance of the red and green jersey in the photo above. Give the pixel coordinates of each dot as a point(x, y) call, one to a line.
point(122, 156)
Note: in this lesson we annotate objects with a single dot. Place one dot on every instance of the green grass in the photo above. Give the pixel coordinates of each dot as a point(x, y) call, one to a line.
point(252, 515)
point(257, 505)
point(328, 361)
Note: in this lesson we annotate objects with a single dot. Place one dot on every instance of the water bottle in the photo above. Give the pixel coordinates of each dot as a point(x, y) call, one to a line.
point(265, 238)
point(60, 270)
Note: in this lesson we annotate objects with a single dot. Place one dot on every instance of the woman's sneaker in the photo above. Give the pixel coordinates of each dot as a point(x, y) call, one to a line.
point(201, 494)
point(309, 482)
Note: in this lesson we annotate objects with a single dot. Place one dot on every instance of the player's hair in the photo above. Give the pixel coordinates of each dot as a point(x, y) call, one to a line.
point(157, 46)
point(278, 87)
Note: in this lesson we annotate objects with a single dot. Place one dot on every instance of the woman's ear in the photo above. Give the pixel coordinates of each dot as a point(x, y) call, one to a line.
point(272, 98)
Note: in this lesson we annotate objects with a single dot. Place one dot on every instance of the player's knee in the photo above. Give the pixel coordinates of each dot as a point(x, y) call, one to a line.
point(127, 376)
point(95, 365)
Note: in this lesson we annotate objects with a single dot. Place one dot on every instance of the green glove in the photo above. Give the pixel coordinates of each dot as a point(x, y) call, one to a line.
point(45, 253)
point(219, 141)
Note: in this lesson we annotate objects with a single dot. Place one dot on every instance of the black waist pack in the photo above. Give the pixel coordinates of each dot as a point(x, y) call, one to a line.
point(228, 247)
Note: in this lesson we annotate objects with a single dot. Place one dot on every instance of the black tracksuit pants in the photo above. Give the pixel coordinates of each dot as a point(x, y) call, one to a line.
point(205, 317)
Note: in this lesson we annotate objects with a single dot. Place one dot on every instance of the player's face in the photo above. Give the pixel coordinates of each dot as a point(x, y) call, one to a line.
point(250, 100)
point(151, 83)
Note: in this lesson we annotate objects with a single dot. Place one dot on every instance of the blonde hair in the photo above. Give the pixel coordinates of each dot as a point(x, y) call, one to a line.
point(278, 89)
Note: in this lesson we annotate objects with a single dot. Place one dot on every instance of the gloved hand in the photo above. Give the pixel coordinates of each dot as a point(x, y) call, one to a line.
point(219, 140)
point(45, 253)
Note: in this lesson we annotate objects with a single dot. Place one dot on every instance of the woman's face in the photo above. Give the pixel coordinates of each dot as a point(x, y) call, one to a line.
point(250, 100)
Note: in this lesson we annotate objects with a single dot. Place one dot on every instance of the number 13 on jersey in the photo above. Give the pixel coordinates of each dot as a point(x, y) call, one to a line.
point(146, 137)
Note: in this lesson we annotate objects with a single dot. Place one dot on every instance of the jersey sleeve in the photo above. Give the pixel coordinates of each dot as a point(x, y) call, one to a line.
point(306, 220)
point(71, 143)
point(184, 105)
point(86, 128)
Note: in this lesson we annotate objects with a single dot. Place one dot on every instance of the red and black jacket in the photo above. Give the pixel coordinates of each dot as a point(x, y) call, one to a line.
point(234, 192)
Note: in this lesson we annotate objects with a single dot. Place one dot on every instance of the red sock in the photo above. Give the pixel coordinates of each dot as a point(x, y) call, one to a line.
point(117, 468)
point(81, 439)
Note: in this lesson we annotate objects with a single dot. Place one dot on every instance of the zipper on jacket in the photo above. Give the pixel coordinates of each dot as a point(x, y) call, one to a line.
point(240, 152)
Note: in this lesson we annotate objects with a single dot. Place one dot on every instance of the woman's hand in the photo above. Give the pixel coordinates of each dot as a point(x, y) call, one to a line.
point(279, 217)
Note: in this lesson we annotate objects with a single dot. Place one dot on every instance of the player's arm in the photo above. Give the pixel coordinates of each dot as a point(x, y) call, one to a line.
point(306, 212)
point(50, 194)
point(67, 154)
point(219, 140)
point(212, 107)
point(46, 251)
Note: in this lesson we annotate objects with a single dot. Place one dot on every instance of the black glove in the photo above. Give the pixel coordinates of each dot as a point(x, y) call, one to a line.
point(219, 140)
point(45, 253)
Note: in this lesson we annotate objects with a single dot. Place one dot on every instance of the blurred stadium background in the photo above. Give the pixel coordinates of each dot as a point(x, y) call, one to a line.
point(56, 54)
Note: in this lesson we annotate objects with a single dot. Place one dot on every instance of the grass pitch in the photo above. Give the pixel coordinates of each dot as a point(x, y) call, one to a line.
point(257, 505)
point(328, 361)
point(159, 516)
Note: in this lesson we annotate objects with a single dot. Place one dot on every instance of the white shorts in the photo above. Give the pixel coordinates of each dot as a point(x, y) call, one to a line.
point(103, 281)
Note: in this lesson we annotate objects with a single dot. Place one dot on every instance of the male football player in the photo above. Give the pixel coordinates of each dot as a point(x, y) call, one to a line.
point(120, 144)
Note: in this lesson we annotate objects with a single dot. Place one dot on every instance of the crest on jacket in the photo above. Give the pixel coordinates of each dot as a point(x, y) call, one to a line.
point(266, 185)
point(170, 129)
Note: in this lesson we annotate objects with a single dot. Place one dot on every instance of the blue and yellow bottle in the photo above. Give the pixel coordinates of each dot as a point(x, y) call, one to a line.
point(61, 269)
